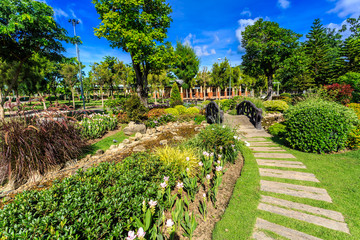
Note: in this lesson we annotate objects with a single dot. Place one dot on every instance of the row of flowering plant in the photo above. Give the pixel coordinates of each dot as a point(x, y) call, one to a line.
point(96, 125)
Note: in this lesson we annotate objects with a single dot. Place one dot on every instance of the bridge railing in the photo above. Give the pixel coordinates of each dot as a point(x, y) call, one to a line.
point(249, 109)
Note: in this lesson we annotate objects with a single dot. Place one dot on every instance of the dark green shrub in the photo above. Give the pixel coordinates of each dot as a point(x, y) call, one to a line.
point(276, 106)
point(319, 126)
point(277, 129)
point(175, 98)
point(100, 203)
point(135, 109)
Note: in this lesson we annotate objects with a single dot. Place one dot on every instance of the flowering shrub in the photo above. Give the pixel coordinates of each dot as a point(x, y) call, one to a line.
point(96, 125)
point(122, 117)
point(319, 126)
point(340, 93)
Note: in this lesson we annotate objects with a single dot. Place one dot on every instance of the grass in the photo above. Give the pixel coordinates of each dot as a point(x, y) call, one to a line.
point(339, 174)
point(239, 218)
point(105, 144)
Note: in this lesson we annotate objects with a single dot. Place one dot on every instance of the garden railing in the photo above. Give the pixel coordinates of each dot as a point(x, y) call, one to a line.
point(249, 109)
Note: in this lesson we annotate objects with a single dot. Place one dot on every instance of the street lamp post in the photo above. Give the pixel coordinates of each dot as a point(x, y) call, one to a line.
point(229, 79)
point(74, 22)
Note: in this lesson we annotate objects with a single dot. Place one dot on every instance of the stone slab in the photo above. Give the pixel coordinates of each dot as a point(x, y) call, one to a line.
point(295, 190)
point(255, 139)
point(280, 163)
point(304, 207)
point(258, 235)
point(302, 176)
point(262, 144)
point(283, 231)
point(267, 149)
point(274, 155)
point(320, 221)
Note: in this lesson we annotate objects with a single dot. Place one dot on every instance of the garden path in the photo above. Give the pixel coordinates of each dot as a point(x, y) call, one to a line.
point(277, 168)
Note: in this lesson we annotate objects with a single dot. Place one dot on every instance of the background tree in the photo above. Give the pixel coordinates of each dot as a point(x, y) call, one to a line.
point(203, 78)
point(186, 64)
point(220, 74)
point(27, 27)
point(101, 75)
point(267, 45)
point(69, 72)
point(158, 81)
point(175, 97)
point(138, 27)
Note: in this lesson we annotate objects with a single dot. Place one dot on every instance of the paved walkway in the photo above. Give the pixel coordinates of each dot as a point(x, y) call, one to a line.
point(272, 161)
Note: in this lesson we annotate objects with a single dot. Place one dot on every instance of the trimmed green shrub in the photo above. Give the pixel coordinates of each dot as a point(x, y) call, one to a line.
point(172, 111)
point(319, 126)
point(354, 136)
point(276, 106)
point(135, 109)
point(277, 129)
point(192, 110)
point(175, 98)
point(181, 109)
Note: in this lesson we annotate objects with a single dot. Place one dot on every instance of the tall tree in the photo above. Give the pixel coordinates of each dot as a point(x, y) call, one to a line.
point(220, 74)
point(101, 75)
point(158, 81)
point(186, 64)
point(138, 27)
point(69, 72)
point(27, 27)
point(267, 45)
point(318, 50)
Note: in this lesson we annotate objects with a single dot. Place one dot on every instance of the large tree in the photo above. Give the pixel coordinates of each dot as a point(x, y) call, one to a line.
point(267, 45)
point(186, 64)
point(138, 27)
point(27, 27)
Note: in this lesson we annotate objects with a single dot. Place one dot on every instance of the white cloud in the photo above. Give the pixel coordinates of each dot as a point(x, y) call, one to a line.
point(243, 24)
point(246, 13)
point(345, 8)
point(58, 12)
point(200, 50)
point(74, 16)
point(213, 51)
point(345, 34)
point(284, 4)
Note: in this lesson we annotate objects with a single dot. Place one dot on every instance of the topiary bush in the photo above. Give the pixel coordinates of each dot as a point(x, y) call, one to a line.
point(172, 111)
point(181, 109)
point(175, 98)
point(319, 126)
point(276, 106)
point(135, 109)
point(192, 110)
point(353, 141)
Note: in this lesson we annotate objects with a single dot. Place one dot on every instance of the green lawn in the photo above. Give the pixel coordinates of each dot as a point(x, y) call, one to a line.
point(339, 174)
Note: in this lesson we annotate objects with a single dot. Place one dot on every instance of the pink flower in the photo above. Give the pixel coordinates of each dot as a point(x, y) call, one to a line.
point(201, 164)
point(187, 158)
point(141, 233)
point(166, 178)
point(204, 195)
point(206, 154)
point(169, 223)
point(219, 168)
point(131, 235)
point(220, 147)
point(208, 177)
point(218, 162)
point(180, 185)
point(152, 203)
point(219, 155)
point(163, 185)
point(211, 154)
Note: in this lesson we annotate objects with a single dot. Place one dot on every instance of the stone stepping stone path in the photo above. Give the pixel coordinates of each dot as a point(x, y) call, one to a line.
point(269, 154)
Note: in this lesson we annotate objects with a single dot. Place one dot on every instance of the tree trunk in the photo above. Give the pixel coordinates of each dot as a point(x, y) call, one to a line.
point(73, 97)
point(2, 109)
point(204, 92)
point(102, 97)
point(270, 88)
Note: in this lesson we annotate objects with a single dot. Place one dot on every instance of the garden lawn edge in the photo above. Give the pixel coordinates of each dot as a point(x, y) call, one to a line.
point(240, 215)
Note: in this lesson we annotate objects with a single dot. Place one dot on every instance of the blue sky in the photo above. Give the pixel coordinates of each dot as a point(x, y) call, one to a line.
point(212, 27)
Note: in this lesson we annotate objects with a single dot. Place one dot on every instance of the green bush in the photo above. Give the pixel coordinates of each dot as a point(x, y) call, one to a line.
point(353, 141)
point(100, 203)
point(135, 109)
point(319, 126)
point(199, 119)
point(277, 129)
point(175, 98)
point(172, 111)
point(192, 110)
point(276, 106)
point(181, 109)
point(353, 79)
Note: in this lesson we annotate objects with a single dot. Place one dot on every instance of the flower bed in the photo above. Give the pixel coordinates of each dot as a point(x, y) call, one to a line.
point(96, 125)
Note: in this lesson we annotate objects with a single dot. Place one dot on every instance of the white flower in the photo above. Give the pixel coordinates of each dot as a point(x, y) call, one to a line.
point(201, 164)
point(223, 126)
point(187, 158)
point(232, 146)
point(141, 233)
point(187, 169)
point(152, 203)
point(163, 185)
point(218, 162)
point(211, 154)
point(206, 153)
point(166, 178)
point(219, 155)
point(220, 147)
point(247, 143)
point(169, 223)
point(219, 168)
point(208, 177)
point(131, 235)
point(180, 185)
point(204, 195)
